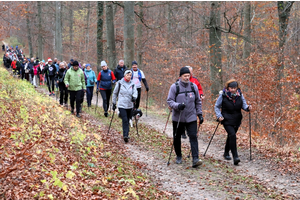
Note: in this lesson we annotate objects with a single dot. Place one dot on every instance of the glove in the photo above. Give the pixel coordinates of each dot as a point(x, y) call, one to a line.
point(201, 118)
point(98, 90)
point(133, 99)
point(114, 107)
point(147, 89)
point(181, 106)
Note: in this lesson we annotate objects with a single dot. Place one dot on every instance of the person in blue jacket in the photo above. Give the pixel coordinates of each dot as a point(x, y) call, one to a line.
point(90, 82)
point(105, 79)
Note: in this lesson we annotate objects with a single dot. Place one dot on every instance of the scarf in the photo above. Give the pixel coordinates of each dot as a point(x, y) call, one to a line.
point(233, 97)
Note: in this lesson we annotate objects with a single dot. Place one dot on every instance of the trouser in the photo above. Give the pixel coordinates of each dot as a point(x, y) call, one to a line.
point(231, 140)
point(50, 82)
point(137, 102)
point(125, 114)
point(63, 94)
point(35, 80)
point(31, 78)
point(105, 94)
point(14, 71)
point(192, 133)
point(89, 95)
point(41, 79)
point(27, 76)
point(22, 74)
point(75, 95)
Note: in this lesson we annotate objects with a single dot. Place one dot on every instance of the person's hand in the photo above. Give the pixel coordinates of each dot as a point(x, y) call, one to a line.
point(147, 89)
point(133, 99)
point(67, 86)
point(114, 106)
point(181, 106)
point(57, 81)
point(220, 119)
point(97, 90)
point(249, 108)
point(202, 97)
point(84, 91)
point(200, 118)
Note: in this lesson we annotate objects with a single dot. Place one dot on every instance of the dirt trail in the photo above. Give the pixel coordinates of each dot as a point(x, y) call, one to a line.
point(185, 182)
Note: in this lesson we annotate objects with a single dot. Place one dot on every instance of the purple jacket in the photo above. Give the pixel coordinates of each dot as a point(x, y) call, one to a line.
point(192, 101)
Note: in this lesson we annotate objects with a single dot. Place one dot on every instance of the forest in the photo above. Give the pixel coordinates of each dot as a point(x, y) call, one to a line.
point(255, 42)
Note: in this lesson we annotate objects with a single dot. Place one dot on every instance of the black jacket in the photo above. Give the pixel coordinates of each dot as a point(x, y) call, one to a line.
point(50, 70)
point(119, 72)
point(60, 75)
point(232, 112)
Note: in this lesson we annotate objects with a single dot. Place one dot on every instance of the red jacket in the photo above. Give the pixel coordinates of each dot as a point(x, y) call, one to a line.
point(13, 64)
point(195, 80)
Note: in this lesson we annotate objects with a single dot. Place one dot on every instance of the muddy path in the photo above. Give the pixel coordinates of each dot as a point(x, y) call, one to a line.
point(202, 183)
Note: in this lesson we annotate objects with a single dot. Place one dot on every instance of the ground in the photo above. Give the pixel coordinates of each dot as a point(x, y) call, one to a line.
point(216, 178)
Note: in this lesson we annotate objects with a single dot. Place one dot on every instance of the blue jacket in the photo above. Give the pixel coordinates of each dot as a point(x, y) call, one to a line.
point(90, 77)
point(106, 78)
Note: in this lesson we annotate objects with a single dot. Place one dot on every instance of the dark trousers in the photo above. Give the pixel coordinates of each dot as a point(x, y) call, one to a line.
point(27, 76)
point(125, 114)
point(50, 82)
point(105, 97)
point(192, 133)
point(89, 95)
point(22, 74)
point(138, 99)
point(63, 98)
point(231, 140)
point(75, 95)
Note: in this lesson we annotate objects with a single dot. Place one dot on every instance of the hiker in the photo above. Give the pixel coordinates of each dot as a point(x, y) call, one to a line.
point(126, 93)
point(7, 61)
point(71, 63)
point(74, 81)
point(231, 101)
point(27, 69)
point(137, 77)
point(50, 71)
point(22, 71)
point(104, 85)
point(184, 99)
point(59, 78)
point(36, 74)
point(30, 68)
point(19, 67)
point(41, 72)
point(3, 47)
point(194, 80)
point(14, 66)
point(119, 71)
point(91, 80)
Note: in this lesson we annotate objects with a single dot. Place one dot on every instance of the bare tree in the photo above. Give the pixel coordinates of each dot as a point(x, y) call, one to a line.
point(247, 29)
point(71, 27)
point(140, 35)
point(40, 37)
point(110, 35)
point(99, 35)
point(129, 32)
point(87, 30)
point(28, 25)
point(58, 31)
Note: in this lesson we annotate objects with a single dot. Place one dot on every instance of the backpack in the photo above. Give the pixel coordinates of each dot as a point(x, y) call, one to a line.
point(120, 88)
point(139, 74)
point(178, 92)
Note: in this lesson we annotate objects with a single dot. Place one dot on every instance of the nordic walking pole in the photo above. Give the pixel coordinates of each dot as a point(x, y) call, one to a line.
point(174, 138)
point(250, 133)
point(211, 139)
point(167, 121)
point(111, 121)
point(147, 104)
point(136, 125)
point(96, 101)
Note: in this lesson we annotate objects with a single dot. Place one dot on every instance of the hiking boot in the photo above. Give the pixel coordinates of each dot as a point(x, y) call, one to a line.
point(106, 114)
point(126, 139)
point(236, 161)
point(78, 115)
point(196, 162)
point(50, 94)
point(178, 160)
point(183, 136)
point(53, 93)
point(72, 111)
point(227, 156)
point(66, 105)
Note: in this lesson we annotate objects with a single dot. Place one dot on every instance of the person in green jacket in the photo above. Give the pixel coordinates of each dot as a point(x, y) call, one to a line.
point(75, 82)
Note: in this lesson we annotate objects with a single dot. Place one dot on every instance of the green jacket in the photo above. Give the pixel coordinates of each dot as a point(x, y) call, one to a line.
point(75, 80)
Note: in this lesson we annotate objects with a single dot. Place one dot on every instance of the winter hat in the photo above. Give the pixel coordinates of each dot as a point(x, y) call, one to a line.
point(43, 61)
point(49, 59)
point(127, 71)
point(72, 60)
point(233, 84)
point(75, 63)
point(87, 65)
point(134, 63)
point(184, 70)
point(103, 63)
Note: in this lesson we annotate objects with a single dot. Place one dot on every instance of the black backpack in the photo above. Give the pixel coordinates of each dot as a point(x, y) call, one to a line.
point(178, 92)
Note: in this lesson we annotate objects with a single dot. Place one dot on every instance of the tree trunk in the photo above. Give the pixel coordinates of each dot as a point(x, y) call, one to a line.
point(247, 29)
point(129, 32)
point(29, 31)
point(87, 31)
point(140, 36)
point(100, 35)
point(58, 30)
point(110, 35)
point(215, 50)
point(40, 37)
point(71, 28)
